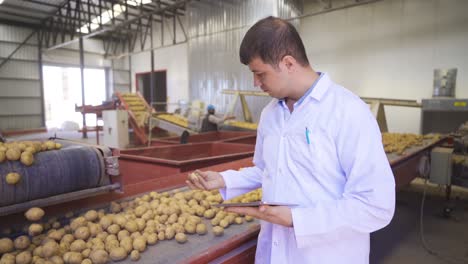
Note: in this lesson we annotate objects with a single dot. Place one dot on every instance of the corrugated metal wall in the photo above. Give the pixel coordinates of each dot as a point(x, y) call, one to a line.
point(20, 93)
point(20, 90)
point(216, 29)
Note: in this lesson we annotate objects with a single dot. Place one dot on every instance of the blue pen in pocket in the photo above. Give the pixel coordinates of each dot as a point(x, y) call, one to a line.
point(307, 135)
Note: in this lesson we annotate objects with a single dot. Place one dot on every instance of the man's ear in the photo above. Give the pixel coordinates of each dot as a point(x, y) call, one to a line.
point(289, 63)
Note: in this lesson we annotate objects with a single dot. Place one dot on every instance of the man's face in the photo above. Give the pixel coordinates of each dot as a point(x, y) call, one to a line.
point(271, 80)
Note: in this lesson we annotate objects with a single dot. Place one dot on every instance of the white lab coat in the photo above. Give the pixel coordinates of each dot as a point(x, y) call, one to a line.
point(327, 157)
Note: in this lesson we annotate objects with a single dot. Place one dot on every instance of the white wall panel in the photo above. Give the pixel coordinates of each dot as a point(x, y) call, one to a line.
point(26, 52)
point(13, 33)
point(73, 58)
point(389, 49)
point(19, 69)
point(19, 88)
point(20, 106)
point(20, 122)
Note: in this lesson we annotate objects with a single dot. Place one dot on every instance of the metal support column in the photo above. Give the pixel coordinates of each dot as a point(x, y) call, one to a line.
point(41, 77)
point(152, 64)
point(85, 134)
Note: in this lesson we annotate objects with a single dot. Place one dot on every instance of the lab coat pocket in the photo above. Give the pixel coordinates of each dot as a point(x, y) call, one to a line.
point(305, 148)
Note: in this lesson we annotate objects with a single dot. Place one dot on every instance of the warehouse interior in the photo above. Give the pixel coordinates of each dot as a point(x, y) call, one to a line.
point(102, 105)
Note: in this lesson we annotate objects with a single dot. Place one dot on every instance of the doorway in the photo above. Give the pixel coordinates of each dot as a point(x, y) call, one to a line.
point(62, 92)
point(159, 89)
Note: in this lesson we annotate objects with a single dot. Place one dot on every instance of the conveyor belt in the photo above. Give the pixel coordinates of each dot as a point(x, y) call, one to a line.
point(70, 169)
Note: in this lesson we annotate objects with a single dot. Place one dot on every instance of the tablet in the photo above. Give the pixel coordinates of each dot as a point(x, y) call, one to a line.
point(253, 204)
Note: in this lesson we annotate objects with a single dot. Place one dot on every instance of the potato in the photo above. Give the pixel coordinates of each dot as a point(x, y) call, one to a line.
point(115, 207)
point(58, 146)
point(131, 226)
point(31, 150)
point(230, 218)
point(110, 244)
point(2, 156)
point(56, 260)
point(195, 219)
point(27, 158)
point(50, 144)
point(13, 154)
point(99, 256)
point(135, 255)
point(78, 245)
point(67, 238)
point(86, 261)
point(8, 259)
point(224, 223)
point(105, 222)
point(201, 229)
point(139, 244)
point(78, 222)
point(35, 229)
point(181, 238)
point(190, 227)
point(22, 242)
point(85, 253)
point(122, 234)
point(82, 232)
point(127, 244)
point(72, 258)
point(94, 229)
point(135, 235)
point(161, 235)
point(119, 220)
point(239, 220)
point(249, 218)
point(118, 253)
point(91, 215)
point(140, 210)
point(13, 178)
point(218, 231)
point(170, 233)
point(6, 245)
point(50, 249)
point(152, 238)
point(178, 228)
point(209, 213)
point(113, 229)
point(141, 224)
point(24, 257)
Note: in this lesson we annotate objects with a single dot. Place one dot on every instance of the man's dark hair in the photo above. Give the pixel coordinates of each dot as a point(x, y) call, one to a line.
point(271, 39)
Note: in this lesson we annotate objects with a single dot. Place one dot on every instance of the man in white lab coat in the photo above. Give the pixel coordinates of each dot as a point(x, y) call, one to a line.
point(318, 146)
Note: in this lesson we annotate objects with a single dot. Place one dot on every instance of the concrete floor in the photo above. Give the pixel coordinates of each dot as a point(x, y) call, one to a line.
point(400, 241)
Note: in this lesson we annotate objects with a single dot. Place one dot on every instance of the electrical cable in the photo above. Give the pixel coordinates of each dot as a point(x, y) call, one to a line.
point(424, 243)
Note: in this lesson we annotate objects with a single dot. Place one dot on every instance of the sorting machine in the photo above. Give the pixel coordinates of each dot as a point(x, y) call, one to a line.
point(81, 177)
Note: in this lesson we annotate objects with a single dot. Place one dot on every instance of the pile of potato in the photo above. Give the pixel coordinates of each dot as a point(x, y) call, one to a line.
point(137, 107)
point(176, 119)
point(398, 143)
point(23, 151)
point(246, 125)
point(126, 229)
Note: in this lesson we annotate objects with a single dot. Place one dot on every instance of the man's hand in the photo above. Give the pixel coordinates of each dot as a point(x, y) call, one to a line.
point(205, 180)
point(280, 215)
